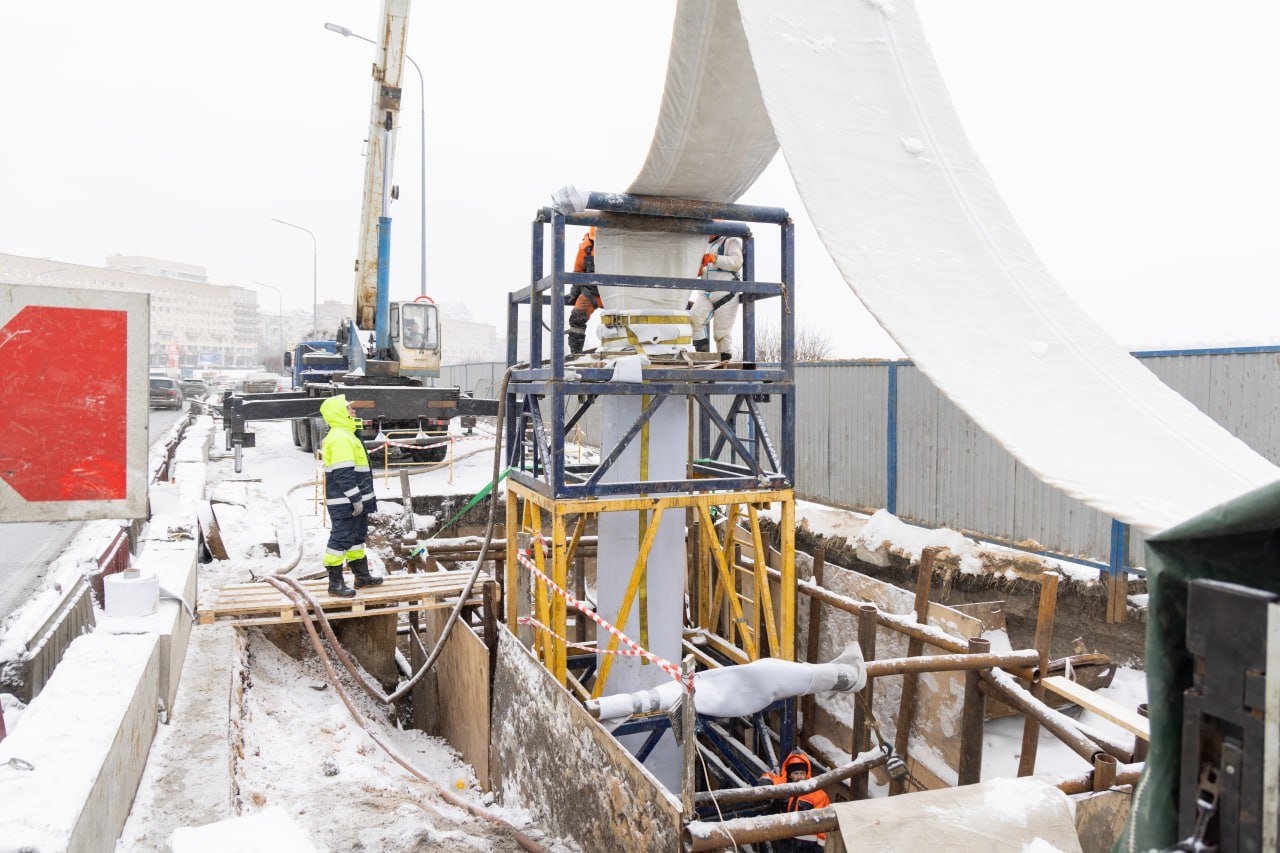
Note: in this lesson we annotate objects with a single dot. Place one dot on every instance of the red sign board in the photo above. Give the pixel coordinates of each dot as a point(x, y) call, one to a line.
point(73, 387)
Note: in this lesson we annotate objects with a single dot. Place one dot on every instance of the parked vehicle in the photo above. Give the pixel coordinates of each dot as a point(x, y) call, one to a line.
point(194, 388)
point(165, 393)
point(263, 383)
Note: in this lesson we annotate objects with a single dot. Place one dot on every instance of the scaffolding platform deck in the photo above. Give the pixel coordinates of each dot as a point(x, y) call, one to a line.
point(260, 603)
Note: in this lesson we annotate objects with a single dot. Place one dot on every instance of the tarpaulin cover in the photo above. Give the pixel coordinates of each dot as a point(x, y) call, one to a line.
point(1238, 542)
point(850, 92)
point(996, 816)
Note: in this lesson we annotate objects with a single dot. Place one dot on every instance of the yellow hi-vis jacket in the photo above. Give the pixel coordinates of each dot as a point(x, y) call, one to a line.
point(348, 479)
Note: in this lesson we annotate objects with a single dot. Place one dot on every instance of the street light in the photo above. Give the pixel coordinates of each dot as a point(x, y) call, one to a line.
point(422, 92)
point(315, 300)
point(279, 305)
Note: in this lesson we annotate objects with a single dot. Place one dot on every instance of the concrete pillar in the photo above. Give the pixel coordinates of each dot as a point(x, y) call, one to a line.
point(620, 534)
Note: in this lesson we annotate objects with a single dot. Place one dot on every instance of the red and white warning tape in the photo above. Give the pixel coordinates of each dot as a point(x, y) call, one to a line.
point(522, 556)
point(586, 647)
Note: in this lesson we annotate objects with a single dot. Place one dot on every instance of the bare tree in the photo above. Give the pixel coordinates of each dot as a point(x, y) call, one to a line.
point(811, 345)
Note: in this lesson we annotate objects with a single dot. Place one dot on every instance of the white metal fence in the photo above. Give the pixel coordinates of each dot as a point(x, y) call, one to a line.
point(872, 434)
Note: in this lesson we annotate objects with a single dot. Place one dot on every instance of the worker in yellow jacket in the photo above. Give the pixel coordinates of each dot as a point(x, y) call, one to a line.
point(348, 493)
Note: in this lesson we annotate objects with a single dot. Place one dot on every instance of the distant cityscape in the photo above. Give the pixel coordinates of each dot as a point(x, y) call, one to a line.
point(198, 325)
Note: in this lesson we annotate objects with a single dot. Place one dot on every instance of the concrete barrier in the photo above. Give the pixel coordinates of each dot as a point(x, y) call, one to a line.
point(86, 736)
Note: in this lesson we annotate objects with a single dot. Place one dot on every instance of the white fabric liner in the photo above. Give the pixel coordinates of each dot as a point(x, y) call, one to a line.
point(1027, 815)
point(919, 232)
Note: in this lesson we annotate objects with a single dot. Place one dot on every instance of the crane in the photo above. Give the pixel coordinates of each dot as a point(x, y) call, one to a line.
point(385, 351)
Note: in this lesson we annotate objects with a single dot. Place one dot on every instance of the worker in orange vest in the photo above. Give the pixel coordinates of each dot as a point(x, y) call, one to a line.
point(585, 298)
point(796, 767)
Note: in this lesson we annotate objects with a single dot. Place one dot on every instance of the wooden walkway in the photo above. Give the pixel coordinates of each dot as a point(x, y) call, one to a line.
point(262, 604)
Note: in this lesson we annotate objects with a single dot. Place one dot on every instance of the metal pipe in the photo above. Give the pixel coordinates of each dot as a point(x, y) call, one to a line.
point(1045, 615)
point(861, 732)
point(815, 629)
point(950, 663)
point(662, 224)
point(1125, 774)
point(907, 702)
point(700, 835)
point(1104, 772)
point(684, 208)
point(902, 624)
point(969, 770)
point(732, 796)
point(1140, 746)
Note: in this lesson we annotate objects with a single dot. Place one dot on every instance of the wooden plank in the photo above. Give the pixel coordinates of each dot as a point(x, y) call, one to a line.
point(462, 679)
point(1129, 720)
point(259, 597)
point(291, 616)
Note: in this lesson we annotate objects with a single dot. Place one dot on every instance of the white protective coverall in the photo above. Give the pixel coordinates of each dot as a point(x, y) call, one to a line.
point(728, 263)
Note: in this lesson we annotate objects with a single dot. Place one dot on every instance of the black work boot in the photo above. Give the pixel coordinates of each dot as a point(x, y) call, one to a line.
point(577, 340)
point(360, 568)
point(702, 344)
point(336, 585)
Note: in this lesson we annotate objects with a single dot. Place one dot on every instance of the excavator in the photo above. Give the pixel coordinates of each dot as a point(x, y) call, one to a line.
point(383, 355)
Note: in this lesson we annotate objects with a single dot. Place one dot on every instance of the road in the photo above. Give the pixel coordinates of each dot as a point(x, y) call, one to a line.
point(27, 548)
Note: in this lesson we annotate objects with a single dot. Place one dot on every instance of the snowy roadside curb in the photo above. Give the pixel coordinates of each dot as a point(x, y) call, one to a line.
point(90, 730)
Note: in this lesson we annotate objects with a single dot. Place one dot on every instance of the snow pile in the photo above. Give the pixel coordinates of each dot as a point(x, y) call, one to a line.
point(11, 707)
point(884, 529)
point(269, 829)
point(879, 536)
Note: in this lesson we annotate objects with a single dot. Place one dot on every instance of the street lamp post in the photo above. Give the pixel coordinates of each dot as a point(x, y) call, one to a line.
point(422, 194)
point(315, 300)
point(280, 306)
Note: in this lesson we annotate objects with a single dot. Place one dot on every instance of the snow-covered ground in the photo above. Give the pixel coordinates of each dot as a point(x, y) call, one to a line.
point(287, 739)
point(301, 752)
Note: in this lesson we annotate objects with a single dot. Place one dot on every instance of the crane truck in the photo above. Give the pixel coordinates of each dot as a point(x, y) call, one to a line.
point(383, 355)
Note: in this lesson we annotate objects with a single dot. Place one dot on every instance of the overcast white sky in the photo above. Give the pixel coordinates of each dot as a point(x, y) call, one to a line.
point(1136, 141)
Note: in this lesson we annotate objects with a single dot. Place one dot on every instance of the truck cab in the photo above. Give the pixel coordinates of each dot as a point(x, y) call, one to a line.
point(415, 337)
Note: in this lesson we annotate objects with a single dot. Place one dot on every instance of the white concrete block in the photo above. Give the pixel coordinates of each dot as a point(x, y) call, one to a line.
point(174, 564)
point(87, 734)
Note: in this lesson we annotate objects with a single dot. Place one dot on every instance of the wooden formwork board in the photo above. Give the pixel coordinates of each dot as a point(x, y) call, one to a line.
point(262, 604)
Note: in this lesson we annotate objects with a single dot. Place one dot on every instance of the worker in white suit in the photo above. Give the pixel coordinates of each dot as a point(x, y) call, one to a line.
point(717, 311)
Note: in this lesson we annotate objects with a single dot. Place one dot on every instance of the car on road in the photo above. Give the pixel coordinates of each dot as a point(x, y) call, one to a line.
point(194, 387)
point(165, 393)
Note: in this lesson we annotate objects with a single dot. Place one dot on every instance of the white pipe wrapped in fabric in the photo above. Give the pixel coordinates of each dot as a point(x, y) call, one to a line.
point(736, 691)
point(919, 232)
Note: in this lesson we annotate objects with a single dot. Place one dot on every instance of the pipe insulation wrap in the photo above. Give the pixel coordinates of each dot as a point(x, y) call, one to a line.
point(851, 94)
point(738, 691)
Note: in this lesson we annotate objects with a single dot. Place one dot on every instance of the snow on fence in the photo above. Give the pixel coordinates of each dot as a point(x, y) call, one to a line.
point(874, 434)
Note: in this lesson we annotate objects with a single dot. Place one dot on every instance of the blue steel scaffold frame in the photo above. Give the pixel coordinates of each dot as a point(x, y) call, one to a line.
point(539, 395)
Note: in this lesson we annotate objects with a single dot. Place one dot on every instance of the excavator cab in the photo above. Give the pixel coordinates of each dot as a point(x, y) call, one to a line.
point(415, 336)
